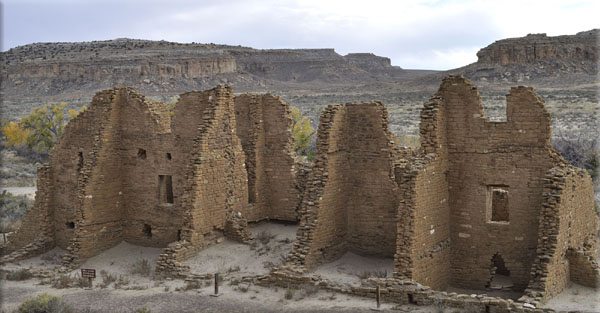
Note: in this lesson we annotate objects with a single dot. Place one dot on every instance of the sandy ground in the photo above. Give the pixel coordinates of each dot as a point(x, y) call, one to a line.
point(350, 267)
point(28, 191)
point(576, 298)
point(255, 299)
point(46, 261)
point(236, 259)
point(233, 260)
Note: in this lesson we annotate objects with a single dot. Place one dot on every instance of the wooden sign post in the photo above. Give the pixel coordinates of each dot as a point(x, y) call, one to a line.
point(216, 294)
point(88, 273)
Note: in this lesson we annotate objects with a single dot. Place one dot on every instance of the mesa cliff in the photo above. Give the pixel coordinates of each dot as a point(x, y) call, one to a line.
point(54, 68)
point(535, 47)
point(538, 60)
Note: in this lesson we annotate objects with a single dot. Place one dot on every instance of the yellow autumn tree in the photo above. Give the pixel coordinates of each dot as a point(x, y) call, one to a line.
point(41, 129)
point(15, 134)
point(304, 135)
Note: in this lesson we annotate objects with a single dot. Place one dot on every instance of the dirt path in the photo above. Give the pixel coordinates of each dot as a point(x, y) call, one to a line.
point(28, 191)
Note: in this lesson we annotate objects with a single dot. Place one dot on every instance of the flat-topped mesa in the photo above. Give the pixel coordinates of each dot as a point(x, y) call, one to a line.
point(160, 66)
point(538, 47)
point(124, 170)
point(369, 61)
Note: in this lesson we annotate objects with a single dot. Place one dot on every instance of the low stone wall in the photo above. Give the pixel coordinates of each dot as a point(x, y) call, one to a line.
point(567, 235)
point(35, 236)
point(400, 291)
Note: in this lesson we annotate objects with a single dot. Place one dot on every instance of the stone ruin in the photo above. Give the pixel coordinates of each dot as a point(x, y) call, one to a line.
point(477, 200)
point(125, 170)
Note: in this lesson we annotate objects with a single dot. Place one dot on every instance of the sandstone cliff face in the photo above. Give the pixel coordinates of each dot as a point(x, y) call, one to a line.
point(534, 60)
point(160, 66)
point(534, 47)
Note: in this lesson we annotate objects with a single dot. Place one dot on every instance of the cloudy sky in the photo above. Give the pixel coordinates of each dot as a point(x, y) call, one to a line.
point(427, 34)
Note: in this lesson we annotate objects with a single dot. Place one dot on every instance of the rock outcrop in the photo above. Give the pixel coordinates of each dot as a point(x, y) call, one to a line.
point(54, 68)
point(535, 47)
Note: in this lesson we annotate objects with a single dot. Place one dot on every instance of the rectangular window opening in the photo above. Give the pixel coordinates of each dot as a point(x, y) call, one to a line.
point(79, 161)
point(497, 204)
point(147, 230)
point(165, 189)
point(141, 154)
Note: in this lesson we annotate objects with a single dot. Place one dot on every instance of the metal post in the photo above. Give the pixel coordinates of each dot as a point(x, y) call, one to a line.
point(216, 283)
point(378, 297)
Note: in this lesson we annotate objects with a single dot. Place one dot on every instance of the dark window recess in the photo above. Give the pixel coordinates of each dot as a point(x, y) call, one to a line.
point(147, 230)
point(498, 204)
point(80, 161)
point(142, 154)
point(168, 156)
point(165, 189)
point(70, 225)
point(179, 235)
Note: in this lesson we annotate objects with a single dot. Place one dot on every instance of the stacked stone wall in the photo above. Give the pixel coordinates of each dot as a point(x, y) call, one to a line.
point(484, 155)
point(350, 202)
point(567, 243)
point(36, 233)
point(264, 127)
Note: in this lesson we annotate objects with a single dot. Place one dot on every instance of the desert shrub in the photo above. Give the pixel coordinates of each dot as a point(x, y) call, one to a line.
point(232, 269)
point(264, 237)
point(67, 281)
point(45, 303)
point(375, 273)
point(143, 310)
point(192, 284)
point(409, 141)
point(63, 281)
point(304, 135)
point(289, 293)
point(122, 281)
point(582, 150)
point(107, 278)
point(141, 267)
point(12, 209)
point(21, 274)
point(82, 282)
point(310, 290)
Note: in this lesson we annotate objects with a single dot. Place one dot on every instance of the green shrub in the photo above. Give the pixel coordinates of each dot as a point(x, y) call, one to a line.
point(13, 207)
point(45, 303)
point(141, 267)
point(21, 274)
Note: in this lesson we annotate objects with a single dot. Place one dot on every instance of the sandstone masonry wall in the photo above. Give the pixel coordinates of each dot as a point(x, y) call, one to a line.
point(264, 128)
point(125, 171)
point(350, 201)
point(483, 156)
point(36, 233)
point(568, 229)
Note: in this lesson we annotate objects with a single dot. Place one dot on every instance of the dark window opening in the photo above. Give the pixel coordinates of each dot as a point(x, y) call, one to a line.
point(179, 235)
point(168, 156)
point(70, 225)
point(80, 161)
point(165, 189)
point(411, 298)
point(498, 204)
point(147, 230)
point(141, 154)
point(500, 275)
